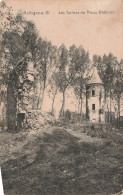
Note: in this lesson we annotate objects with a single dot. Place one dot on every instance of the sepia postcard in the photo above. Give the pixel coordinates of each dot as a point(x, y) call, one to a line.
point(61, 97)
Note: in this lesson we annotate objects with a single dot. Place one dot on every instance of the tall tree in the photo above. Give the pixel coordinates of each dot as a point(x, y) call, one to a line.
point(107, 70)
point(80, 60)
point(62, 74)
point(118, 89)
point(47, 57)
point(18, 45)
point(53, 81)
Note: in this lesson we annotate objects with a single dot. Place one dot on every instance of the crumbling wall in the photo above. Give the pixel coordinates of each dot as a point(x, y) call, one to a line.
point(11, 108)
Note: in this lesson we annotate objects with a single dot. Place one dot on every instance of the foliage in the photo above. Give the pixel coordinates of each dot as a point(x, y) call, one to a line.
point(111, 73)
point(80, 63)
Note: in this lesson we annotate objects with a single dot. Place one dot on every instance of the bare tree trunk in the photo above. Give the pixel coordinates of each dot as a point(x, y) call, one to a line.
point(78, 106)
point(42, 98)
point(107, 111)
point(100, 96)
point(63, 103)
point(39, 97)
point(44, 83)
point(80, 110)
point(110, 114)
point(81, 96)
point(53, 102)
point(118, 112)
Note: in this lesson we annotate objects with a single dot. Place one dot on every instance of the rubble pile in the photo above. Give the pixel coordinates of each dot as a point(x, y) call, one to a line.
point(35, 119)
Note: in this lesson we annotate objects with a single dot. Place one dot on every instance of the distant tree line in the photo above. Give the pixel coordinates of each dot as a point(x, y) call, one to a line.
point(57, 67)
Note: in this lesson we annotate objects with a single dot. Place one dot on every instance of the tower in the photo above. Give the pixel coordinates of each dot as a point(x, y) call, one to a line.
point(95, 98)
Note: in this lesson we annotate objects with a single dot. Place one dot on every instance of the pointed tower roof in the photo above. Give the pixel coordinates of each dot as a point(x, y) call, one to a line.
point(95, 78)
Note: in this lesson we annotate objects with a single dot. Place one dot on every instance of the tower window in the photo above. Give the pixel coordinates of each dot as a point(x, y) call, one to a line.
point(93, 92)
point(93, 106)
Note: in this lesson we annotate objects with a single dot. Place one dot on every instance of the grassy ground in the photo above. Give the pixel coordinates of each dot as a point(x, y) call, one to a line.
point(59, 160)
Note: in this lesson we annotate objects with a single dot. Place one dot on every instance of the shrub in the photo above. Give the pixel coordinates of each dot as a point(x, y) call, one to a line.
point(67, 115)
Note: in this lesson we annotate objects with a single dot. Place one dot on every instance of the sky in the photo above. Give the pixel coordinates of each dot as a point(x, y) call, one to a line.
point(97, 33)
